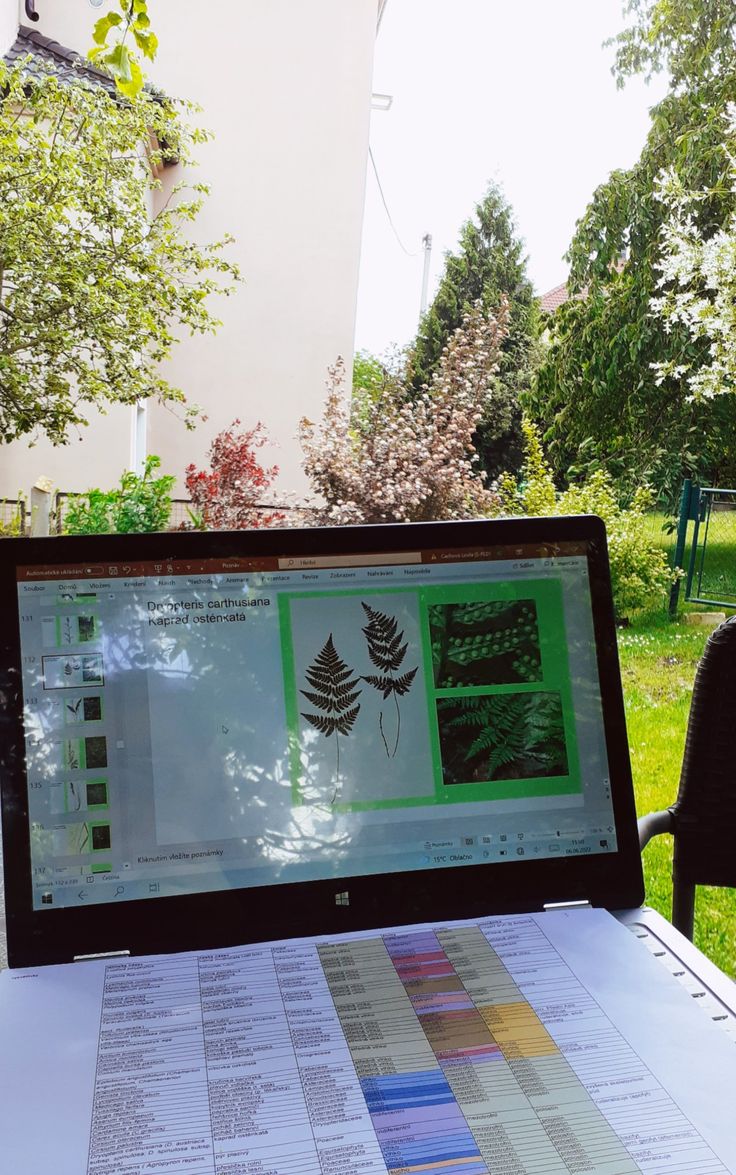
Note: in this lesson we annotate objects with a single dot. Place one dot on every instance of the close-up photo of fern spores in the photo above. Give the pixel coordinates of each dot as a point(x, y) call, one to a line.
point(387, 650)
point(334, 695)
point(489, 737)
point(485, 642)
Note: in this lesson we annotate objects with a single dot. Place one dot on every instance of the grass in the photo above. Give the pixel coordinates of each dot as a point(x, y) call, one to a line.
point(717, 575)
point(658, 663)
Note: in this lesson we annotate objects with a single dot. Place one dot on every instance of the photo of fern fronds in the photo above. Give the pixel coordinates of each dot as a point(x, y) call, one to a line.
point(488, 642)
point(333, 693)
point(501, 736)
point(386, 650)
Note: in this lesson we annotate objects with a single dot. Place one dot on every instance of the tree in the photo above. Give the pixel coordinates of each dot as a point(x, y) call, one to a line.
point(112, 49)
point(395, 457)
point(369, 374)
point(93, 291)
point(488, 265)
point(597, 393)
point(229, 496)
point(698, 285)
point(691, 39)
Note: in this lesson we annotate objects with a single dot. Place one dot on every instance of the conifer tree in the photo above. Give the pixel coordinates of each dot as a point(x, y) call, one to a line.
point(489, 264)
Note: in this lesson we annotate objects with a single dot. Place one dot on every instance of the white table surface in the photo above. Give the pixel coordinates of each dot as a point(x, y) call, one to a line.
point(714, 991)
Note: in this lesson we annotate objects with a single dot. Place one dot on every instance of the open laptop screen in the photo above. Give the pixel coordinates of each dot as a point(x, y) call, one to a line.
point(209, 714)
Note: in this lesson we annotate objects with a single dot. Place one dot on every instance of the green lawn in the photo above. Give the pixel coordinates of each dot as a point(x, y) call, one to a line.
point(658, 662)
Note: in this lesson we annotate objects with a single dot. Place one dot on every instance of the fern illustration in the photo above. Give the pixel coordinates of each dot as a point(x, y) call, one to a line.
point(387, 649)
point(334, 694)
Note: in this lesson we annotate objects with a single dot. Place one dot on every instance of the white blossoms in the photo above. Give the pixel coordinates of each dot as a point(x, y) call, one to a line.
point(698, 284)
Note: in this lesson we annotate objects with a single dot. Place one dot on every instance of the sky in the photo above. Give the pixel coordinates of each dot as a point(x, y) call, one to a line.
point(518, 93)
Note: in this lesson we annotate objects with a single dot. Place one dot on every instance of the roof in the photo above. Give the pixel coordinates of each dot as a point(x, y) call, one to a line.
point(69, 66)
point(557, 297)
point(554, 298)
point(67, 63)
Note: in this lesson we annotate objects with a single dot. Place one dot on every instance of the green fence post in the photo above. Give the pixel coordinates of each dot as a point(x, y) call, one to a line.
point(684, 518)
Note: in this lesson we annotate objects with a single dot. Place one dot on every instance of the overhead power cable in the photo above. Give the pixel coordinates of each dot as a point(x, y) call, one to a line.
point(385, 205)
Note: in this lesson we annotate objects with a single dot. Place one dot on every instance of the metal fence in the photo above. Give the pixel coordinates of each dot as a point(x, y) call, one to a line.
point(711, 572)
point(13, 516)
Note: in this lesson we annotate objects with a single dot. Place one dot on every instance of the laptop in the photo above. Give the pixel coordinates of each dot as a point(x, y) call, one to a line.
point(221, 746)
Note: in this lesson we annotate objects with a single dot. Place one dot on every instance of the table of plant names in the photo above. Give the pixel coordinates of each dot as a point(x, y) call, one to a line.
point(470, 1049)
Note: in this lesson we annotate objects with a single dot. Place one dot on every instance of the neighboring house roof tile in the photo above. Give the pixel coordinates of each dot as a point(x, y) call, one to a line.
point(67, 63)
point(554, 298)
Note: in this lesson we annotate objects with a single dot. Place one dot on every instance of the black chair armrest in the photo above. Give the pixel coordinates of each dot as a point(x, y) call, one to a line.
point(654, 824)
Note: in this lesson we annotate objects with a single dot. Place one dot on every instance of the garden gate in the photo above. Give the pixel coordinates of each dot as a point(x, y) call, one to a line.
point(711, 568)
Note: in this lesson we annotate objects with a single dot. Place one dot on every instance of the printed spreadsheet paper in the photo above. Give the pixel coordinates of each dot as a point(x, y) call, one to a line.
point(541, 1044)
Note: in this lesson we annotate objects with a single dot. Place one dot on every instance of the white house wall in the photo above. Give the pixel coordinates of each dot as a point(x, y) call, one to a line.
point(8, 24)
point(285, 86)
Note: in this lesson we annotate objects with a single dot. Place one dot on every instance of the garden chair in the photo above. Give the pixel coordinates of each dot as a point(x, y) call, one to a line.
point(703, 817)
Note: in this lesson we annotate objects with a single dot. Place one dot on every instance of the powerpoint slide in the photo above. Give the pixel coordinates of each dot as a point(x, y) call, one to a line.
point(76, 795)
point(70, 595)
point(76, 628)
point(81, 754)
point(73, 671)
point(72, 840)
point(84, 708)
point(356, 696)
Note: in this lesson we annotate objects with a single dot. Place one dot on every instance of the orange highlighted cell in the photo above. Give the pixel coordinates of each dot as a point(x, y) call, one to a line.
point(449, 1163)
point(518, 1030)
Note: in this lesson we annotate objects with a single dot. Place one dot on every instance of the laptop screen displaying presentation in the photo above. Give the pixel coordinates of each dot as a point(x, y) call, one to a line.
point(311, 719)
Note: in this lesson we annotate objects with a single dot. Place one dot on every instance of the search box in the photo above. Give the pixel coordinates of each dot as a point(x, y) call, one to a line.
point(308, 561)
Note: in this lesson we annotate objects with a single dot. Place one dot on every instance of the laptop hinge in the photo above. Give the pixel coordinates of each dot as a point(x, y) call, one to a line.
point(101, 955)
point(583, 905)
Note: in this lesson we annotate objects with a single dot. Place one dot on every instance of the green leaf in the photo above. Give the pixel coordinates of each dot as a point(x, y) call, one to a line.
point(146, 42)
point(103, 26)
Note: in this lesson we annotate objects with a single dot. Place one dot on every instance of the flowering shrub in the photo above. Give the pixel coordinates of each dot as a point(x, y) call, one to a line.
point(227, 496)
point(388, 456)
point(640, 574)
point(697, 283)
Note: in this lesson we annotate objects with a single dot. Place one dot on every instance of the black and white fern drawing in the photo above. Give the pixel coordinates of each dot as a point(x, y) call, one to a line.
point(507, 736)
point(387, 649)
point(335, 696)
